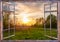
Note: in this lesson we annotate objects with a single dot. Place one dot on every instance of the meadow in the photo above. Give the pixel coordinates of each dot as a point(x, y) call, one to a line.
point(33, 33)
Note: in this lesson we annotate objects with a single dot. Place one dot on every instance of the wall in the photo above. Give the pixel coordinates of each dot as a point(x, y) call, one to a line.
point(58, 20)
point(0, 21)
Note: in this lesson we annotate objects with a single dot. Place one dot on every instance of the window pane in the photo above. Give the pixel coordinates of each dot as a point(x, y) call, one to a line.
point(5, 20)
point(47, 23)
point(11, 31)
point(51, 21)
point(47, 8)
point(54, 23)
point(8, 9)
point(54, 6)
point(5, 33)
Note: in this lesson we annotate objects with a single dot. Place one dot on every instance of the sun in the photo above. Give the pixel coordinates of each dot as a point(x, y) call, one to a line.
point(25, 20)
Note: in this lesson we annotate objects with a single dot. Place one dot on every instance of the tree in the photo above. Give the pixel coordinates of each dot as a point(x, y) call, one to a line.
point(5, 19)
point(39, 22)
point(53, 21)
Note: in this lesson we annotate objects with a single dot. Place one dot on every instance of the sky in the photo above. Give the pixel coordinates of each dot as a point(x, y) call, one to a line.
point(34, 9)
point(28, 12)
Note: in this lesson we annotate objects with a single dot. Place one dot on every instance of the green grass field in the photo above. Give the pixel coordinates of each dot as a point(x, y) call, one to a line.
point(33, 34)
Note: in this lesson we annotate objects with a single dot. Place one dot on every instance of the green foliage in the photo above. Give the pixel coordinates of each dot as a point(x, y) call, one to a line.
point(53, 21)
point(38, 22)
point(5, 20)
point(32, 34)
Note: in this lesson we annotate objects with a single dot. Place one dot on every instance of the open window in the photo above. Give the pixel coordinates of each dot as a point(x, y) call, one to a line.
point(30, 20)
point(8, 8)
point(50, 11)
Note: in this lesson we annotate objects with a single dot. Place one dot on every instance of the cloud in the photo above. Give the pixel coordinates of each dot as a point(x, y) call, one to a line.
point(35, 9)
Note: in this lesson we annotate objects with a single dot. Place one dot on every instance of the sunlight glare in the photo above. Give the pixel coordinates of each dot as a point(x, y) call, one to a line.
point(25, 20)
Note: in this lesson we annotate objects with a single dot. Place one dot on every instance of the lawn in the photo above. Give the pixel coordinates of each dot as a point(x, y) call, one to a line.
point(33, 33)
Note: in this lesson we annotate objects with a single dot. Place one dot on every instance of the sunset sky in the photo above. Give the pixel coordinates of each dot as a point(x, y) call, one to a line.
point(34, 9)
point(27, 12)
